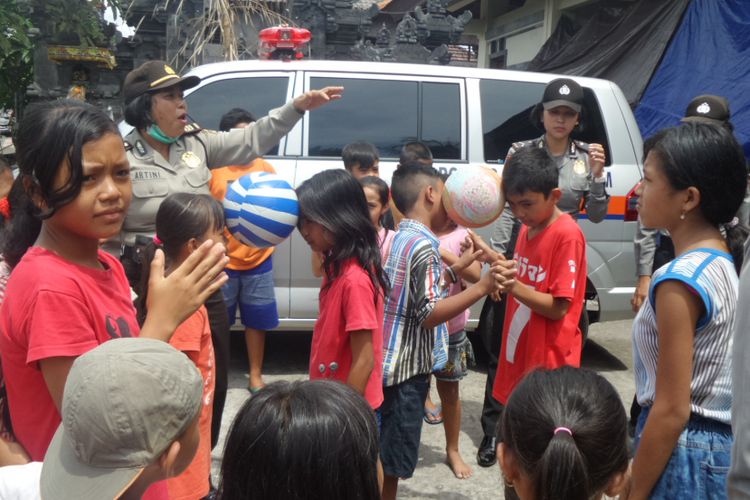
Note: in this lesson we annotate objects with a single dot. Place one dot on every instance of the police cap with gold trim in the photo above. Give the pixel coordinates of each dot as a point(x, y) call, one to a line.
point(152, 76)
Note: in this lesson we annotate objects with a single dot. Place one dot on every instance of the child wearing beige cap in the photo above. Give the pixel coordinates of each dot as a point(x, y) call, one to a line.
point(129, 420)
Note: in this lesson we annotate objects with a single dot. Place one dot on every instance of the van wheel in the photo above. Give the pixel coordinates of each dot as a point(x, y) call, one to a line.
point(583, 324)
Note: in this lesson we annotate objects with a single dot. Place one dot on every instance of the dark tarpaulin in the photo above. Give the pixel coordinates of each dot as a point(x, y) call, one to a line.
point(621, 41)
point(710, 54)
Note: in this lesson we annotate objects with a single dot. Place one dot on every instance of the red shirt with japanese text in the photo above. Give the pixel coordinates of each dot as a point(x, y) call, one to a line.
point(552, 262)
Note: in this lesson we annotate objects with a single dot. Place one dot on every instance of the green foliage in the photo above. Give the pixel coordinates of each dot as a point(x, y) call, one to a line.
point(16, 54)
point(81, 18)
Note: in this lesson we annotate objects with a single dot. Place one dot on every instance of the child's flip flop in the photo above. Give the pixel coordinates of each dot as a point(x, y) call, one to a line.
point(433, 417)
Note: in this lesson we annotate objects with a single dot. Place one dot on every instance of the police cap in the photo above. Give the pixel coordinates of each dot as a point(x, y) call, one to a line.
point(152, 76)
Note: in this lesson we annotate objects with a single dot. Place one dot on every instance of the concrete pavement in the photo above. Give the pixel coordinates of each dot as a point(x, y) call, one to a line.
point(608, 351)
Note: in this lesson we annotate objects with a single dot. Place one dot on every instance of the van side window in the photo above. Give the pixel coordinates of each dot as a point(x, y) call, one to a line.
point(506, 117)
point(441, 120)
point(387, 113)
point(258, 95)
point(506, 106)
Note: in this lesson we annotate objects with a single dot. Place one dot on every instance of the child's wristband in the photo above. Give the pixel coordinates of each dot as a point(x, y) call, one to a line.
point(452, 274)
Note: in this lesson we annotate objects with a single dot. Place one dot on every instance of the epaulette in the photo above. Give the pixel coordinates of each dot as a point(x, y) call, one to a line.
point(192, 128)
point(521, 144)
point(516, 146)
point(583, 146)
point(128, 146)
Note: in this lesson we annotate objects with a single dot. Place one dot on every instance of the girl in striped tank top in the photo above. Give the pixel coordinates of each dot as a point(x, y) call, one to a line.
point(694, 181)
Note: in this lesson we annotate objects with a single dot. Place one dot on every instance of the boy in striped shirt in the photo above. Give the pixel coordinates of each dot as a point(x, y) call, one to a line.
point(415, 337)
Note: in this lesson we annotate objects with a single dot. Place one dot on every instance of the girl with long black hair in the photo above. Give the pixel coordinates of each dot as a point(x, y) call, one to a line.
point(65, 295)
point(348, 338)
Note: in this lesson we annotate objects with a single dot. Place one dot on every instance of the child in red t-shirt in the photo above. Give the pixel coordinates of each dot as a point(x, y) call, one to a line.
point(347, 342)
point(545, 299)
point(183, 222)
point(65, 296)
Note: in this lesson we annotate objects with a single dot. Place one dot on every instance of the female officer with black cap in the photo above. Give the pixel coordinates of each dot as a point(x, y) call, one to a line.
point(582, 183)
point(169, 155)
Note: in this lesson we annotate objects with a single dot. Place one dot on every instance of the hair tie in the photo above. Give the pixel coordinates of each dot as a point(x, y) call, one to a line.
point(732, 223)
point(563, 429)
point(157, 241)
point(5, 207)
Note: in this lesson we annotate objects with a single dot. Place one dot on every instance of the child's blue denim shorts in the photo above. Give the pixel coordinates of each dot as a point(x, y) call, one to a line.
point(699, 463)
point(253, 291)
point(401, 425)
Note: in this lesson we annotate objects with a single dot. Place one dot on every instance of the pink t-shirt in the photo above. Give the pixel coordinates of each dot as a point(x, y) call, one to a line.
point(385, 241)
point(348, 304)
point(452, 243)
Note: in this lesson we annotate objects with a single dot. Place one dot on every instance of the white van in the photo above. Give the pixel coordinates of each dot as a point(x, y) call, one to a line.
point(466, 116)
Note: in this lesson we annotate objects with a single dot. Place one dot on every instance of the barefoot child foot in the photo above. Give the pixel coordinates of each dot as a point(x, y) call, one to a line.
point(460, 265)
point(460, 468)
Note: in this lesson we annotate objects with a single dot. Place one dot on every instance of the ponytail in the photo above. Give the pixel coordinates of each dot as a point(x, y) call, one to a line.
point(562, 472)
point(736, 234)
point(578, 460)
point(147, 256)
point(23, 228)
point(180, 218)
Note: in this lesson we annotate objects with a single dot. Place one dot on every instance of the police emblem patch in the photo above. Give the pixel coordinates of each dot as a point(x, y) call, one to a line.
point(703, 108)
point(191, 159)
point(564, 90)
point(579, 167)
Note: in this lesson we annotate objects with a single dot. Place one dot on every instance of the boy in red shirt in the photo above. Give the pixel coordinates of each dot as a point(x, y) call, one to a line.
point(546, 297)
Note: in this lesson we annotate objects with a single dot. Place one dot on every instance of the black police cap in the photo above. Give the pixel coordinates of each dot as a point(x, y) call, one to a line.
point(708, 109)
point(563, 92)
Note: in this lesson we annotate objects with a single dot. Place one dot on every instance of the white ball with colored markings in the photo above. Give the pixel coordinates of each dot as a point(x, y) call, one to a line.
point(261, 209)
point(473, 196)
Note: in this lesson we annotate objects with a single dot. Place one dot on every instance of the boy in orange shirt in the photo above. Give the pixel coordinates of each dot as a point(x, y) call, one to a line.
point(250, 269)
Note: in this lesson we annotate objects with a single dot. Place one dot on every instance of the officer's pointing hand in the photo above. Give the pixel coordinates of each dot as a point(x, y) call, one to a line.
point(316, 98)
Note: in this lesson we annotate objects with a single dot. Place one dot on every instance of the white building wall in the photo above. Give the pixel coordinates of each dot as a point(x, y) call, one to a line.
point(527, 28)
point(524, 46)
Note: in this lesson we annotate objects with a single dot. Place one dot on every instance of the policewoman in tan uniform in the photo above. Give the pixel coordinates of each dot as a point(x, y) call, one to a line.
point(582, 182)
point(168, 154)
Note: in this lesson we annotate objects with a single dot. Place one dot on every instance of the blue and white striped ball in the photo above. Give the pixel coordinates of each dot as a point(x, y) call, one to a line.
point(261, 209)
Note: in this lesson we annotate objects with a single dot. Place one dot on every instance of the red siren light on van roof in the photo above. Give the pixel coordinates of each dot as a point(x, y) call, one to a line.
point(283, 43)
